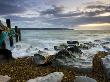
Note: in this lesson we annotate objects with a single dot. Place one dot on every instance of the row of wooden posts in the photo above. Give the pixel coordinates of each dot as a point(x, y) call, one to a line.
point(17, 33)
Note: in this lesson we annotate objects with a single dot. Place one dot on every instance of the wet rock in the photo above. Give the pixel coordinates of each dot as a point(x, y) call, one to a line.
point(4, 78)
point(74, 49)
point(104, 43)
point(97, 59)
point(106, 48)
point(43, 57)
point(87, 45)
point(64, 58)
point(84, 79)
point(60, 47)
point(73, 42)
point(97, 40)
point(5, 55)
point(46, 49)
point(68, 59)
point(56, 48)
point(90, 44)
point(52, 77)
point(82, 46)
point(106, 66)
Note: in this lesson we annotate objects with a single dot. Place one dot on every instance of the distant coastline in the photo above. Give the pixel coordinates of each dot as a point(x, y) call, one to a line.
point(45, 29)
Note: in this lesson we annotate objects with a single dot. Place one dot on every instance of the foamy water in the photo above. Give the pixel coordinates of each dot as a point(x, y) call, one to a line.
point(50, 38)
point(35, 40)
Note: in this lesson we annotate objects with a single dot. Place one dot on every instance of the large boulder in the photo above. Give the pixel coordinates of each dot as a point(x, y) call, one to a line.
point(52, 77)
point(64, 58)
point(4, 78)
point(43, 57)
point(68, 59)
point(84, 79)
point(106, 66)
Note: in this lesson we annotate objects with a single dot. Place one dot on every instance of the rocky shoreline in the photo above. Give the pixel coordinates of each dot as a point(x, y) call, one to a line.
point(20, 70)
point(71, 60)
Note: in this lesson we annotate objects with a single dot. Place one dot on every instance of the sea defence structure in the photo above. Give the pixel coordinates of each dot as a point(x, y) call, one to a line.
point(12, 33)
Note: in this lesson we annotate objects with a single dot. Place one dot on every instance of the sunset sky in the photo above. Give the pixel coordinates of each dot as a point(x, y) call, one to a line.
point(76, 14)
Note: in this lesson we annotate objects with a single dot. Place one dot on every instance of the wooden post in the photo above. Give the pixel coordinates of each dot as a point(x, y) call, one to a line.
point(16, 31)
point(10, 37)
point(19, 32)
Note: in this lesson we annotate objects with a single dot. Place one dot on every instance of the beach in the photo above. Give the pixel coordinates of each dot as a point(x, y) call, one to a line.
point(24, 68)
point(55, 41)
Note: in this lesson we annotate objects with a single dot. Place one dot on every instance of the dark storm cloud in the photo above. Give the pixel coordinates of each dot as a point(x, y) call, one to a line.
point(100, 9)
point(53, 15)
point(18, 18)
point(72, 21)
point(96, 6)
point(57, 12)
point(93, 13)
point(69, 14)
point(11, 6)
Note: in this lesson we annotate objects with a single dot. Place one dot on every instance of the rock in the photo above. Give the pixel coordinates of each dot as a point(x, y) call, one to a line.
point(104, 43)
point(43, 57)
point(52, 77)
point(82, 46)
point(64, 58)
point(97, 59)
point(106, 48)
point(56, 48)
point(97, 40)
point(84, 79)
point(74, 49)
point(46, 49)
point(87, 45)
point(60, 47)
point(4, 78)
point(73, 42)
point(5, 55)
point(67, 59)
point(106, 65)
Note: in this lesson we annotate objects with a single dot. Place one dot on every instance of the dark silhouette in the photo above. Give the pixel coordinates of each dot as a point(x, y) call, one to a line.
point(5, 55)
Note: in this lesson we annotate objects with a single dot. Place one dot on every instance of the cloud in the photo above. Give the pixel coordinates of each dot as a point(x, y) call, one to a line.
point(94, 13)
point(74, 22)
point(89, 10)
point(11, 6)
point(96, 6)
point(59, 12)
point(93, 10)
point(46, 13)
point(53, 11)
point(19, 18)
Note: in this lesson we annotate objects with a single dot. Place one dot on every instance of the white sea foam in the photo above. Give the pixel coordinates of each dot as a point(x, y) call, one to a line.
point(35, 39)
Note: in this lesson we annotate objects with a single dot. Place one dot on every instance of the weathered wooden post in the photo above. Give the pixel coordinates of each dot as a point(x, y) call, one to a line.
point(16, 31)
point(10, 37)
point(19, 32)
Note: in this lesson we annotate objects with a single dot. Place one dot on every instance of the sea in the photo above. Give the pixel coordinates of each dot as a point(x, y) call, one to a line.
point(51, 38)
point(47, 39)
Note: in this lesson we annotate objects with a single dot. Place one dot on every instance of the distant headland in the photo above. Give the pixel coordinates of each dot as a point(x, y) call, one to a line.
point(46, 29)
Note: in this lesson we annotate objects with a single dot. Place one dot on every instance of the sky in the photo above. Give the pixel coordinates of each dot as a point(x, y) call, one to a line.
point(74, 14)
